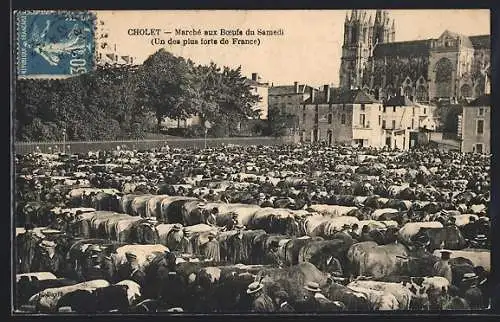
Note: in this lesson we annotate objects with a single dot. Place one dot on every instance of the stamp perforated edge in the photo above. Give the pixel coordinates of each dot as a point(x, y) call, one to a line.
point(18, 13)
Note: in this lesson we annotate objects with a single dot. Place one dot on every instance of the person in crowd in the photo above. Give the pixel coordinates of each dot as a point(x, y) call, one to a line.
point(281, 301)
point(131, 270)
point(469, 230)
point(238, 245)
point(211, 218)
point(442, 268)
point(470, 292)
point(211, 249)
point(316, 301)
point(272, 256)
point(332, 266)
point(365, 234)
point(354, 231)
point(186, 245)
point(261, 302)
point(169, 280)
point(26, 247)
point(49, 260)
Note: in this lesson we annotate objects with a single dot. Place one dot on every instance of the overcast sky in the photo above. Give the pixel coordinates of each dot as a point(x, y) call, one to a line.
point(309, 51)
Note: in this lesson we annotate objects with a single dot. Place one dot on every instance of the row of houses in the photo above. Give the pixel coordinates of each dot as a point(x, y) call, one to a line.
point(351, 116)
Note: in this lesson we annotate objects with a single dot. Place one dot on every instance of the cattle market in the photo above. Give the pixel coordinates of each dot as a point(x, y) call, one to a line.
point(239, 229)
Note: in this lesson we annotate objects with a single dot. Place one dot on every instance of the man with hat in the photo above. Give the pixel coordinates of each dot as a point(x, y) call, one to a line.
point(261, 302)
point(131, 270)
point(471, 293)
point(211, 249)
point(316, 301)
point(442, 268)
point(26, 246)
point(186, 245)
point(238, 247)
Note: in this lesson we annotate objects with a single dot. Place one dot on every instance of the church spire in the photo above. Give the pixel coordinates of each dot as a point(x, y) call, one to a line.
point(346, 17)
point(354, 14)
point(378, 16)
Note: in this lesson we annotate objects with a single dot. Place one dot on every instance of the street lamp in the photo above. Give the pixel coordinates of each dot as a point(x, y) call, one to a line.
point(64, 141)
point(208, 125)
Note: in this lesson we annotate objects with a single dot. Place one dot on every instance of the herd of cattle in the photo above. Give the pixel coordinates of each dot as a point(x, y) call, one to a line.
point(242, 229)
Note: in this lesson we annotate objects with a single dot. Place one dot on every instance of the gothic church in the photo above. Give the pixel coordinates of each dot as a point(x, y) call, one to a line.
point(452, 67)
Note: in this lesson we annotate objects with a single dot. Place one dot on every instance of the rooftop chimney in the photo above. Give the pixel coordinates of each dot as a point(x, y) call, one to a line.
point(326, 89)
point(312, 94)
point(296, 86)
point(254, 76)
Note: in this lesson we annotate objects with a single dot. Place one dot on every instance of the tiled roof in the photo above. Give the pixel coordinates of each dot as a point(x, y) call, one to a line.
point(288, 89)
point(483, 100)
point(342, 96)
point(251, 82)
point(482, 41)
point(399, 101)
point(403, 48)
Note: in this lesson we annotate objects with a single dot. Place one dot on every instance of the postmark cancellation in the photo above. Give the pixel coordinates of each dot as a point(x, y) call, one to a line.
point(52, 44)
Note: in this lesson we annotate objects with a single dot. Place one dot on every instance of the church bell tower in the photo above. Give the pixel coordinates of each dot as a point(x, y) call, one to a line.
point(361, 35)
point(355, 49)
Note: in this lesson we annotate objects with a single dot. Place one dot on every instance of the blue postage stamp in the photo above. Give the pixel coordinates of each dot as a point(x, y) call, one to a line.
point(54, 43)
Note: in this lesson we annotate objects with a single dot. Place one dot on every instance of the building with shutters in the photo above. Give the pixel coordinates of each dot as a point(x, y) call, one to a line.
point(335, 116)
point(475, 126)
point(403, 119)
point(452, 67)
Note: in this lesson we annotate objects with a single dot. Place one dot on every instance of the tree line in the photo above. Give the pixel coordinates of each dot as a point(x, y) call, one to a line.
point(127, 102)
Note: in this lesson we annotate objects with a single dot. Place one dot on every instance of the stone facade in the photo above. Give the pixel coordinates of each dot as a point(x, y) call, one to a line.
point(341, 117)
point(257, 87)
point(475, 126)
point(452, 66)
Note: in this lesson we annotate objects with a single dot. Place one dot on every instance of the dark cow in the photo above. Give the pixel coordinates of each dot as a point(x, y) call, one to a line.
point(450, 236)
point(105, 201)
point(401, 217)
point(317, 252)
point(26, 288)
point(80, 301)
point(293, 247)
point(352, 300)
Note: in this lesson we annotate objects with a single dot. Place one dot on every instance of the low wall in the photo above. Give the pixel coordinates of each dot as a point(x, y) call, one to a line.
point(86, 146)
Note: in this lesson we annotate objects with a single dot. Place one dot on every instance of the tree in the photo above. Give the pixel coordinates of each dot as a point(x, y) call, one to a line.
point(448, 116)
point(166, 86)
point(279, 123)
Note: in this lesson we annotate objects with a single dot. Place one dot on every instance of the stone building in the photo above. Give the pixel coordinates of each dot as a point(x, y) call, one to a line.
point(402, 119)
point(288, 99)
point(335, 116)
point(258, 87)
point(475, 126)
point(451, 66)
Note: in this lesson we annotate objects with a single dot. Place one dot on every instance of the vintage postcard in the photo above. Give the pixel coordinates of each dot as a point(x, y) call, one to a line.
point(239, 161)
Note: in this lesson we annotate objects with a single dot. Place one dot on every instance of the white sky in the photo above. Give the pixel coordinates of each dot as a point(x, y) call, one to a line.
point(309, 52)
